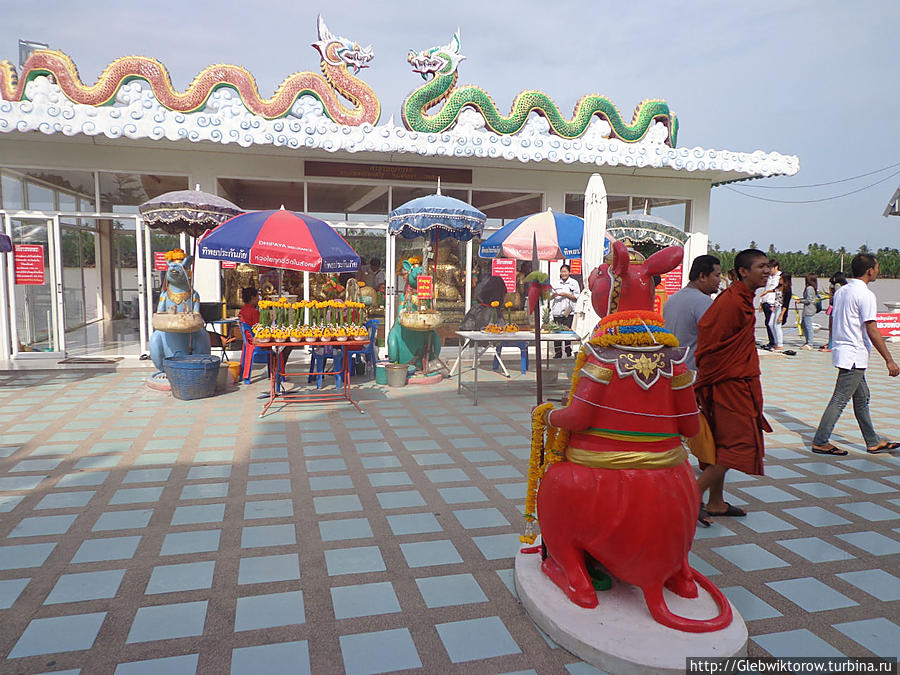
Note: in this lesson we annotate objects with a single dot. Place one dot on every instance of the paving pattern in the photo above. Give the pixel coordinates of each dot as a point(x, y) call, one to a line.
point(139, 534)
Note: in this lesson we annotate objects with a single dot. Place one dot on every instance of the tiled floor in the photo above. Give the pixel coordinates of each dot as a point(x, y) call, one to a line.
point(139, 534)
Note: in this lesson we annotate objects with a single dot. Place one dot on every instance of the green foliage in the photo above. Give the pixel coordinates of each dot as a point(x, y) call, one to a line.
point(818, 258)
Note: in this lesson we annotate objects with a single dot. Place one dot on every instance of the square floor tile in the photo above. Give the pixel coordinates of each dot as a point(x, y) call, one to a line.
point(816, 516)
point(462, 495)
point(512, 490)
point(282, 657)
point(867, 485)
point(880, 636)
point(10, 589)
point(268, 535)
point(184, 577)
point(872, 542)
point(198, 541)
point(433, 459)
point(151, 458)
point(373, 448)
point(821, 468)
point(476, 639)
point(811, 594)
point(136, 495)
point(761, 521)
point(82, 479)
point(348, 528)
point(413, 523)
point(768, 493)
point(269, 508)
point(499, 471)
point(26, 555)
point(400, 500)
point(201, 513)
point(34, 465)
point(779, 472)
point(269, 568)
point(863, 465)
point(389, 478)
point(42, 526)
point(815, 550)
point(319, 465)
point(421, 444)
point(204, 491)
point(147, 476)
point(268, 611)
point(750, 606)
point(870, 511)
point(379, 652)
point(446, 475)
point(65, 500)
point(701, 565)
point(268, 453)
point(19, 483)
point(318, 483)
point(877, 583)
point(336, 504)
point(819, 490)
point(111, 548)
point(380, 462)
point(496, 546)
point(9, 502)
point(364, 600)
point(268, 468)
point(357, 560)
point(472, 519)
point(58, 634)
point(450, 590)
point(167, 622)
point(750, 557)
point(427, 553)
point(170, 665)
point(269, 487)
point(207, 472)
point(477, 456)
point(795, 643)
point(85, 586)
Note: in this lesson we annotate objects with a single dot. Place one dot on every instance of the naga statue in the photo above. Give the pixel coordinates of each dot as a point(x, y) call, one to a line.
point(339, 55)
point(615, 484)
point(438, 66)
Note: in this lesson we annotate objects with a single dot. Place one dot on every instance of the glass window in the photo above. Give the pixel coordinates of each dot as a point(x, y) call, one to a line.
point(361, 203)
point(507, 206)
point(39, 197)
point(124, 192)
point(262, 195)
point(12, 196)
point(45, 188)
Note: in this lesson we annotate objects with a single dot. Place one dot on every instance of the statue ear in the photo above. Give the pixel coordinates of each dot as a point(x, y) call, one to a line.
point(621, 259)
point(187, 262)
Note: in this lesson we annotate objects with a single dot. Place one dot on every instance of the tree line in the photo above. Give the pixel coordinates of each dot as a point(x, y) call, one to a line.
point(818, 258)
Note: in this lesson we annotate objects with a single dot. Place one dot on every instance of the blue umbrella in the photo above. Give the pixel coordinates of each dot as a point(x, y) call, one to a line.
point(437, 215)
point(558, 235)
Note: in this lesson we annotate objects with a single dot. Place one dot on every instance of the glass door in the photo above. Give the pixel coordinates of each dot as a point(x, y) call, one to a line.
point(36, 294)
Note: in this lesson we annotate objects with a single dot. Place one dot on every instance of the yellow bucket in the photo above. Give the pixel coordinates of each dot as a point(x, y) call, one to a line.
point(234, 367)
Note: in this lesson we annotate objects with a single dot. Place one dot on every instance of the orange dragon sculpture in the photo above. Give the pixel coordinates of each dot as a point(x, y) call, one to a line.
point(339, 55)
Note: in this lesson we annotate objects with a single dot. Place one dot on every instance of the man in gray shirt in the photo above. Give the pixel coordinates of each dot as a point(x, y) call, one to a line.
point(683, 310)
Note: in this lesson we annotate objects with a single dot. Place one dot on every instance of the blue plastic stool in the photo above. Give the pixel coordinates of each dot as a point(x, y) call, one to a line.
point(523, 346)
point(317, 360)
point(367, 352)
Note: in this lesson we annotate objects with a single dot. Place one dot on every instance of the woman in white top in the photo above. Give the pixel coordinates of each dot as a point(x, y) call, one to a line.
point(563, 295)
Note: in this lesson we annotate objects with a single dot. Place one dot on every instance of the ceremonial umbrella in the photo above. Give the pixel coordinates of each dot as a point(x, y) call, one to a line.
point(189, 211)
point(281, 239)
point(558, 235)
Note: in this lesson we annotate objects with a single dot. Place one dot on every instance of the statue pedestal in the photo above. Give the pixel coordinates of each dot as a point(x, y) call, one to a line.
point(619, 635)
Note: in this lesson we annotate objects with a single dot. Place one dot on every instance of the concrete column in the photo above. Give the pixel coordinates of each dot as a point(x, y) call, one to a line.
point(697, 227)
point(107, 269)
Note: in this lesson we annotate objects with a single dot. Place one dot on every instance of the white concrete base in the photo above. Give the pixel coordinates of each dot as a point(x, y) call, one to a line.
point(620, 636)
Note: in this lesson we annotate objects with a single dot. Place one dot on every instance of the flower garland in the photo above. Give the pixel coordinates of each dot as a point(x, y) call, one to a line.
point(635, 328)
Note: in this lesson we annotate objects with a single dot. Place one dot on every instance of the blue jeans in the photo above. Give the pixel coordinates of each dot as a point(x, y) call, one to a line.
point(850, 384)
point(774, 327)
point(808, 329)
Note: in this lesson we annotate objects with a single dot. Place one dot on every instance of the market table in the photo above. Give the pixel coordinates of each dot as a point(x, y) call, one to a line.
point(277, 373)
point(481, 342)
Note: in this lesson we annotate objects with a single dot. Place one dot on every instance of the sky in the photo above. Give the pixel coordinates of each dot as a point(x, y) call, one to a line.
point(816, 79)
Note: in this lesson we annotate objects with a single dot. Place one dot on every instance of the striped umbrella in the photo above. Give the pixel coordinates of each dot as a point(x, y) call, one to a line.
point(558, 236)
point(281, 239)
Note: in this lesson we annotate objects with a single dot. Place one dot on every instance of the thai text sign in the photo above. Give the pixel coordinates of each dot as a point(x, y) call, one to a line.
point(159, 261)
point(505, 269)
point(425, 288)
point(424, 174)
point(226, 265)
point(28, 262)
point(888, 324)
point(575, 266)
point(672, 281)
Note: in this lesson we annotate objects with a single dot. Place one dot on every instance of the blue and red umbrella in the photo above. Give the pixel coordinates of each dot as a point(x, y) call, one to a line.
point(281, 239)
point(558, 235)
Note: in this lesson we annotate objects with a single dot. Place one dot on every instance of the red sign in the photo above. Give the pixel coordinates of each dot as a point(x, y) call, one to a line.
point(425, 288)
point(28, 262)
point(575, 266)
point(672, 281)
point(226, 265)
point(159, 261)
point(888, 324)
point(505, 269)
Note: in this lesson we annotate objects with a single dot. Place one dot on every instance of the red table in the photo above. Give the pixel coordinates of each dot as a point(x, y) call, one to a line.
point(278, 372)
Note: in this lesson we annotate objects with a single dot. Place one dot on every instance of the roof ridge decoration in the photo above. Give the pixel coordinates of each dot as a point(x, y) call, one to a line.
point(338, 55)
point(439, 67)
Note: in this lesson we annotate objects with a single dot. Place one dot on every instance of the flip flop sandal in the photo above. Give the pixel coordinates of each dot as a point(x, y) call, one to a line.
point(703, 517)
point(887, 447)
point(831, 451)
point(732, 511)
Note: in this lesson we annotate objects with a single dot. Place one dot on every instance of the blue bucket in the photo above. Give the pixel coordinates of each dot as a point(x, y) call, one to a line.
point(192, 376)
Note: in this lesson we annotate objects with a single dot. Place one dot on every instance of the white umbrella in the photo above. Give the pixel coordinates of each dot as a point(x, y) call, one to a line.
point(592, 246)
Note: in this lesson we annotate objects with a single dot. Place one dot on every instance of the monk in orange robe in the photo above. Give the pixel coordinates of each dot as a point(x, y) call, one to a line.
point(728, 386)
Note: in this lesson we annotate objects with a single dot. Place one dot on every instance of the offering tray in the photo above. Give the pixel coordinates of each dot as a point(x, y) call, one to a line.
point(183, 322)
point(424, 321)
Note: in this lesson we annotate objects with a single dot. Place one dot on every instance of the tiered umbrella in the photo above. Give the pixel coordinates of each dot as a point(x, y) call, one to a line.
point(189, 211)
point(280, 239)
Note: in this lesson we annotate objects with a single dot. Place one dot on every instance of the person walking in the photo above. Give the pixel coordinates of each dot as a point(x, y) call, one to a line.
point(778, 312)
point(767, 299)
point(563, 295)
point(682, 312)
point(809, 301)
point(855, 333)
point(728, 383)
point(837, 280)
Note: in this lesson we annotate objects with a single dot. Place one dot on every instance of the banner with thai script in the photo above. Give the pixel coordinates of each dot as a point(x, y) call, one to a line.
point(28, 262)
point(505, 268)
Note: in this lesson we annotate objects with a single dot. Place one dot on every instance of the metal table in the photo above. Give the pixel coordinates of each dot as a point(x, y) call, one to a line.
point(481, 342)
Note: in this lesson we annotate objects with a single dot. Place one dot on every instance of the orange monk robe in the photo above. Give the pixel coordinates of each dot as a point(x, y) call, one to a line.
point(728, 387)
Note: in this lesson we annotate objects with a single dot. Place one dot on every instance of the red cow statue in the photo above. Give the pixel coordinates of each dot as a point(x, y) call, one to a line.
point(624, 492)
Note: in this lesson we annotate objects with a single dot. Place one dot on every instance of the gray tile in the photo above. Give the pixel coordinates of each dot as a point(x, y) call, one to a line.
point(359, 600)
point(58, 634)
point(180, 578)
point(281, 657)
point(85, 586)
point(750, 557)
point(268, 569)
point(356, 560)
point(379, 652)
point(197, 541)
point(109, 548)
point(256, 612)
point(476, 639)
point(166, 622)
point(815, 550)
point(877, 583)
point(811, 594)
point(24, 555)
point(43, 526)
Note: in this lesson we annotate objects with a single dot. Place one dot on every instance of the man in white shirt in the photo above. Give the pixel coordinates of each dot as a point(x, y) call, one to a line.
point(563, 295)
point(683, 310)
point(855, 333)
point(767, 299)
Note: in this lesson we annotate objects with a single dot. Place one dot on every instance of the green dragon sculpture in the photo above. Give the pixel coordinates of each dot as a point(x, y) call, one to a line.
point(438, 66)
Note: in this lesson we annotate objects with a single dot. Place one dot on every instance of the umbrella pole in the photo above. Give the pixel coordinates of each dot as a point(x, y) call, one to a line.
point(537, 353)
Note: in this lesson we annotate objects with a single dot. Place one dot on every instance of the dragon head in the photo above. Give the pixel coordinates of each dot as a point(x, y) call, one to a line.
point(339, 51)
point(437, 60)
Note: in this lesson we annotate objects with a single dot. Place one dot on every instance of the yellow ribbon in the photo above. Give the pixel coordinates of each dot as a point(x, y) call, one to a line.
point(627, 459)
